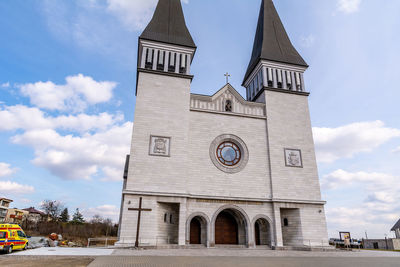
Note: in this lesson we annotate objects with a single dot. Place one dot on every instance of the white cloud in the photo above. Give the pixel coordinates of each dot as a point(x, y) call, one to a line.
point(307, 41)
point(134, 14)
point(15, 188)
point(5, 85)
point(344, 142)
point(28, 118)
point(80, 157)
point(379, 209)
point(396, 150)
point(78, 92)
point(349, 6)
point(6, 170)
point(105, 211)
point(373, 180)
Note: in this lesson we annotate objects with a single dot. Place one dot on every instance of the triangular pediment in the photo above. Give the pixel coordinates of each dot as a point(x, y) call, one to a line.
point(227, 95)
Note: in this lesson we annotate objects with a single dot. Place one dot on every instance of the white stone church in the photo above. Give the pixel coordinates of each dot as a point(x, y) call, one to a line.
point(221, 169)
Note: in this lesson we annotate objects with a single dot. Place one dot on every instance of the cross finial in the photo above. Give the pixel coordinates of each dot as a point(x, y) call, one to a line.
point(227, 75)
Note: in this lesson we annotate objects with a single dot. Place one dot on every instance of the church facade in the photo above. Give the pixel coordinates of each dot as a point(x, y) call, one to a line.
point(221, 169)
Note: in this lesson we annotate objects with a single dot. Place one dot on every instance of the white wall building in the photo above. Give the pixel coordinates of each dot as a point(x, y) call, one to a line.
point(221, 170)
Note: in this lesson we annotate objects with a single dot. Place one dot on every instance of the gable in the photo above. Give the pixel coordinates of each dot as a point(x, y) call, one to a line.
point(218, 101)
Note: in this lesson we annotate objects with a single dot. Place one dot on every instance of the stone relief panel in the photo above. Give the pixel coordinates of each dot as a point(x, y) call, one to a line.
point(159, 146)
point(293, 158)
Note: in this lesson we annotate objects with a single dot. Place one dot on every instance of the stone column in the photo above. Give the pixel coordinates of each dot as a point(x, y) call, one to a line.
point(274, 79)
point(177, 62)
point(265, 78)
point(166, 62)
point(303, 87)
point(143, 60)
point(155, 59)
point(277, 225)
point(182, 223)
point(188, 64)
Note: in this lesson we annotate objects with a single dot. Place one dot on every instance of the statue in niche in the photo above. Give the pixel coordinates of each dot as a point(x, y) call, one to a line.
point(228, 106)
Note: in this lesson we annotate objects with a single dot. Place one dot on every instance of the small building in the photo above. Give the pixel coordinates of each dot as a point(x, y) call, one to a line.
point(34, 215)
point(396, 229)
point(16, 216)
point(388, 244)
point(4, 204)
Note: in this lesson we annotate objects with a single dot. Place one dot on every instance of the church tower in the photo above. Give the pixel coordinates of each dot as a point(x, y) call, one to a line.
point(221, 169)
point(275, 77)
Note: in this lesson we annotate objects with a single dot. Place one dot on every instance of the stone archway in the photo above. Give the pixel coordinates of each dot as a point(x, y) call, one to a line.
point(230, 226)
point(197, 229)
point(262, 231)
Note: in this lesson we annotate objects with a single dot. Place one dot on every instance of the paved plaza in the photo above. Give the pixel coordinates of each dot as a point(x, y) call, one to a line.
point(93, 257)
point(154, 261)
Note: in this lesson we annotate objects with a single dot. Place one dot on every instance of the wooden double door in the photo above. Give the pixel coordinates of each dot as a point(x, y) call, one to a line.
point(226, 229)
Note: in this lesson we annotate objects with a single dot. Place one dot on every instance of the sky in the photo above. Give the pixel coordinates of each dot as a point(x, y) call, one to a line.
point(67, 81)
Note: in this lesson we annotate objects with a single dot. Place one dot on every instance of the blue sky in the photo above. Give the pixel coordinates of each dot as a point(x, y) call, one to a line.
point(68, 73)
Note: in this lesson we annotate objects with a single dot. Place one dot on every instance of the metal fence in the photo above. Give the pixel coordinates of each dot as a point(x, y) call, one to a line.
point(102, 242)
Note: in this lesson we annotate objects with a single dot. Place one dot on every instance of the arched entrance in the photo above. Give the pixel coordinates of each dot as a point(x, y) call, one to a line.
point(230, 226)
point(262, 232)
point(195, 231)
point(226, 229)
point(197, 228)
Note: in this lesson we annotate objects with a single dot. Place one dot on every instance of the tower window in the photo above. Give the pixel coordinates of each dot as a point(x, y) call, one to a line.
point(228, 106)
point(165, 217)
point(160, 61)
point(285, 222)
point(172, 61)
point(170, 219)
point(182, 69)
point(149, 59)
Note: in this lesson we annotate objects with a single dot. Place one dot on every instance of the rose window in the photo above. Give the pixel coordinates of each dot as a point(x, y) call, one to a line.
point(228, 154)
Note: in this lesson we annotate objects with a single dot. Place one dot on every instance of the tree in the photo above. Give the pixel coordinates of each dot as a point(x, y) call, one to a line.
point(64, 217)
point(97, 219)
point(52, 208)
point(77, 218)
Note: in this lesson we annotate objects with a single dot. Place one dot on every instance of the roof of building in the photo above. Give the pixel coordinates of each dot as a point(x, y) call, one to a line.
point(6, 199)
point(396, 226)
point(168, 25)
point(34, 211)
point(271, 41)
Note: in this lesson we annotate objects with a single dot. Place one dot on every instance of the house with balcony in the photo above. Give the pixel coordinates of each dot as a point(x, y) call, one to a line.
point(4, 205)
point(16, 216)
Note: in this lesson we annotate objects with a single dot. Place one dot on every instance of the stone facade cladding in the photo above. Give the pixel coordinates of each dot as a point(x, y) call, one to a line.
point(188, 183)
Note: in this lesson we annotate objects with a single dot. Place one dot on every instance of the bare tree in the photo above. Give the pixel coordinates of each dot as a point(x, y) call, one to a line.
point(52, 208)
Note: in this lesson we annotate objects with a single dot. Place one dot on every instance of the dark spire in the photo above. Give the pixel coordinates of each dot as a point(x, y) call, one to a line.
point(168, 25)
point(271, 41)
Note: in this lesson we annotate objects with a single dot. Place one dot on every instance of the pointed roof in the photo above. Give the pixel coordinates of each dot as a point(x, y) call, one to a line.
point(271, 41)
point(396, 226)
point(168, 25)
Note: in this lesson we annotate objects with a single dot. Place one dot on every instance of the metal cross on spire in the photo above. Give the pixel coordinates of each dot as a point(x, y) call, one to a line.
point(227, 75)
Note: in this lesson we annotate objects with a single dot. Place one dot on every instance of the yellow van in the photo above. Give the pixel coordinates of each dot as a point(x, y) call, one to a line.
point(12, 237)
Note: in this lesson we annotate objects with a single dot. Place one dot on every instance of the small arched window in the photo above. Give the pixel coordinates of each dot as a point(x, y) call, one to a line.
point(228, 106)
point(285, 222)
point(170, 219)
point(165, 217)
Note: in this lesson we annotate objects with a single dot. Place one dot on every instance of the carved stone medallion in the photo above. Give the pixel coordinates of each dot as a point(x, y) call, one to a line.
point(159, 146)
point(293, 158)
